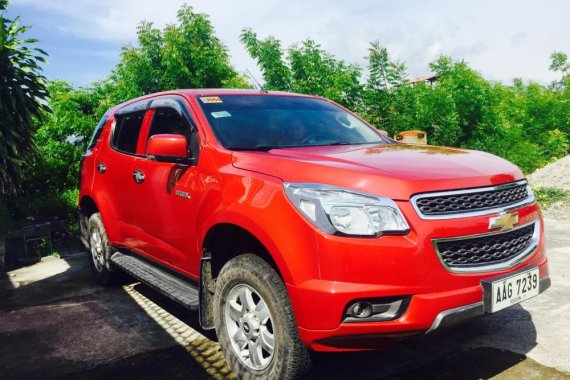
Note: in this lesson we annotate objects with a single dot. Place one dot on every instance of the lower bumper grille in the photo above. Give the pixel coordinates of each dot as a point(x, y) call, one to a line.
point(490, 251)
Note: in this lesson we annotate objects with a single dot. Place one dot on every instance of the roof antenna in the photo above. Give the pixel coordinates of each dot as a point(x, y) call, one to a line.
point(261, 88)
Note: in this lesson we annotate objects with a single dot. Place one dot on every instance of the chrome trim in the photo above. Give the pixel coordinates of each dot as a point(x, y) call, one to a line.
point(475, 309)
point(492, 267)
point(466, 214)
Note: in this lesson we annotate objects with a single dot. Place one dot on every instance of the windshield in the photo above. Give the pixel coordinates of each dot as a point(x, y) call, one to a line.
point(262, 122)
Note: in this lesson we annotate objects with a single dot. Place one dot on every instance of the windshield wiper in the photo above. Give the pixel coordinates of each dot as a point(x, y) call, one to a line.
point(267, 148)
point(340, 143)
point(259, 148)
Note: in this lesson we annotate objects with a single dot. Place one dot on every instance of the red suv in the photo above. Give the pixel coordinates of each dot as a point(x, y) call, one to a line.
point(291, 224)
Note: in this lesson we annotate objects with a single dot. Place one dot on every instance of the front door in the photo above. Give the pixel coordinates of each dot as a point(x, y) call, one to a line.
point(165, 199)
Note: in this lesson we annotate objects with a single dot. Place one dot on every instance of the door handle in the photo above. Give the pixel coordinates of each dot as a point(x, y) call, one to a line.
point(101, 167)
point(138, 176)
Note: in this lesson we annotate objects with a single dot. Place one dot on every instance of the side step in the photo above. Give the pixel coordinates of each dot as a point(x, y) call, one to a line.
point(161, 281)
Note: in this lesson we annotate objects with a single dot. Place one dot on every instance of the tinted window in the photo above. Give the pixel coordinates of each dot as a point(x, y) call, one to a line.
point(167, 121)
point(127, 129)
point(97, 132)
point(262, 122)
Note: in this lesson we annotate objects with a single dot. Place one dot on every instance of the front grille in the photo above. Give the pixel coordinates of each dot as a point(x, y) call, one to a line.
point(485, 250)
point(455, 202)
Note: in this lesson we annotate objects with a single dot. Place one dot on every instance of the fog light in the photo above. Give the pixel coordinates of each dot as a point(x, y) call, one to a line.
point(374, 310)
point(360, 310)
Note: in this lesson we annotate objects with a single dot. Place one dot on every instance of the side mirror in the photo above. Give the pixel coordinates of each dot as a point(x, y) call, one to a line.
point(383, 133)
point(168, 148)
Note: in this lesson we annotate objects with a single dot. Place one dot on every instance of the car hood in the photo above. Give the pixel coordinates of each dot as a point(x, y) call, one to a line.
point(396, 171)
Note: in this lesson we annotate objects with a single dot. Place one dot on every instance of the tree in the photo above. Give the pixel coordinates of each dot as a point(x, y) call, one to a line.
point(186, 54)
point(62, 138)
point(307, 69)
point(269, 56)
point(470, 93)
point(317, 72)
point(23, 96)
point(384, 72)
point(382, 88)
point(559, 62)
point(442, 65)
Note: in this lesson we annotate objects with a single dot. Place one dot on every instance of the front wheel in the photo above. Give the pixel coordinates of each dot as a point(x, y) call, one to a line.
point(254, 322)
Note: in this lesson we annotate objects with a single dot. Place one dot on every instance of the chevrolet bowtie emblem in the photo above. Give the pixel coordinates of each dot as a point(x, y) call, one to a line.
point(505, 221)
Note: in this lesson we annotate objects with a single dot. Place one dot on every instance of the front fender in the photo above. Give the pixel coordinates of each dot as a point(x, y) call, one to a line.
point(257, 204)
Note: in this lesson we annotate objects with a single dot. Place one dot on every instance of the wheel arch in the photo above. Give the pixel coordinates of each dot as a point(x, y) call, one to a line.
point(86, 208)
point(222, 242)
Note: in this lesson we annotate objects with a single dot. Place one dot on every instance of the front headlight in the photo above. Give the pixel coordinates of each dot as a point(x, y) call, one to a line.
point(334, 209)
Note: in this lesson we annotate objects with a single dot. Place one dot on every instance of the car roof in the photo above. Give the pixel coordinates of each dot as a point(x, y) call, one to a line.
point(207, 92)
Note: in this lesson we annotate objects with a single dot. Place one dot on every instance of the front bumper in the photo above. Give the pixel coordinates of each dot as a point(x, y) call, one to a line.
point(427, 313)
point(455, 316)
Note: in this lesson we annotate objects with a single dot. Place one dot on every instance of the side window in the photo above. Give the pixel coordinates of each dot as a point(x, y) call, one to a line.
point(127, 131)
point(97, 132)
point(167, 121)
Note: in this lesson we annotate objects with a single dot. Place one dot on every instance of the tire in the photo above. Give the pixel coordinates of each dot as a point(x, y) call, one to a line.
point(100, 253)
point(247, 324)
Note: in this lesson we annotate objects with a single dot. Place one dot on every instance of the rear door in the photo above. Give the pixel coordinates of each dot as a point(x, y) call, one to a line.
point(113, 184)
point(165, 200)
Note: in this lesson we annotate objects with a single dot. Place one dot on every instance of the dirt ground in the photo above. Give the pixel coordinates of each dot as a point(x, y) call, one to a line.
point(555, 174)
point(55, 323)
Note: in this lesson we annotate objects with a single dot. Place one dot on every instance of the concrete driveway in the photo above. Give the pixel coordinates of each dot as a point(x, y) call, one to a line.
point(56, 324)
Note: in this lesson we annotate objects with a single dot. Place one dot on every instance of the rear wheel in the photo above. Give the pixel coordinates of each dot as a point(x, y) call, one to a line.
point(254, 322)
point(101, 251)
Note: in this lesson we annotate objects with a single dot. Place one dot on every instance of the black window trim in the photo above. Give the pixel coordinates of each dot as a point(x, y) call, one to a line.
point(166, 101)
point(177, 103)
point(97, 132)
point(174, 102)
point(113, 131)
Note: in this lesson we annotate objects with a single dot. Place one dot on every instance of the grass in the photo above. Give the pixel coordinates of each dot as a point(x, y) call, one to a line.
point(546, 196)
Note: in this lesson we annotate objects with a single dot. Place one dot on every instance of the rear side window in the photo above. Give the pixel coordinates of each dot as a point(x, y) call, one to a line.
point(97, 132)
point(127, 129)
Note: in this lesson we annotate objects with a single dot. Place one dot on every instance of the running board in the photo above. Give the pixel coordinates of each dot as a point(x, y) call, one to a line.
point(161, 281)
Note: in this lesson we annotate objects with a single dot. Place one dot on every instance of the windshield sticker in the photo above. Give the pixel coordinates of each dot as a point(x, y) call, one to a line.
point(219, 114)
point(211, 99)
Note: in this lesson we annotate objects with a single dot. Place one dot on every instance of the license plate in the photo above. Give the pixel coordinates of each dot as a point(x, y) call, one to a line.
point(506, 291)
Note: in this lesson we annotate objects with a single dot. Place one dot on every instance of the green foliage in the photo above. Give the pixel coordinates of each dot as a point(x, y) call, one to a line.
point(383, 72)
point(317, 72)
point(183, 55)
point(472, 97)
point(526, 123)
point(546, 196)
point(556, 145)
point(559, 62)
point(61, 139)
point(269, 56)
point(40, 208)
point(428, 109)
point(22, 101)
point(306, 68)
point(394, 106)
